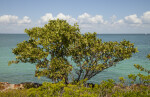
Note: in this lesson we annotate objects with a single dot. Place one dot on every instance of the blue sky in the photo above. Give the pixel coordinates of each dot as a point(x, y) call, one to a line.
point(101, 16)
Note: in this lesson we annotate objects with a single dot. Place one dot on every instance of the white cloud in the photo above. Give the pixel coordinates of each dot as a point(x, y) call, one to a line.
point(12, 19)
point(49, 16)
point(113, 18)
point(88, 19)
point(146, 17)
point(66, 17)
point(87, 23)
point(120, 21)
point(85, 15)
point(5, 19)
point(84, 18)
point(62, 16)
point(46, 18)
point(133, 19)
point(25, 20)
point(97, 19)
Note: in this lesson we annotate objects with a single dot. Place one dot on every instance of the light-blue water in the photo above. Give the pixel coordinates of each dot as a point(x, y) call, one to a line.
point(17, 73)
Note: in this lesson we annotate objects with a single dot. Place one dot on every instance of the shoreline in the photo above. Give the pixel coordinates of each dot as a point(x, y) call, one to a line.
point(5, 85)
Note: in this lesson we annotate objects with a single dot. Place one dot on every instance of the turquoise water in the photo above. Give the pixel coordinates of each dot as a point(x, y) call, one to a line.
point(24, 72)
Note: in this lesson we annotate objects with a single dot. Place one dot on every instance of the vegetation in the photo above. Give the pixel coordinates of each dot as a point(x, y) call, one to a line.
point(50, 46)
point(144, 79)
point(92, 56)
point(104, 89)
point(14, 93)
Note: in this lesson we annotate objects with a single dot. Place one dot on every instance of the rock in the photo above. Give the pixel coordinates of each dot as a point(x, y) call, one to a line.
point(5, 85)
point(18, 86)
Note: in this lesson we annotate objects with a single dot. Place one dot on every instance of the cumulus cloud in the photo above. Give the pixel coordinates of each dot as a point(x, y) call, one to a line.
point(5, 19)
point(66, 17)
point(117, 22)
point(82, 19)
point(46, 18)
point(86, 18)
point(12, 19)
point(97, 19)
point(146, 17)
point(133, 19)
point(97, 23)
point(49, 16)
point(25, 20)
point(120, 21)
point(130, 23)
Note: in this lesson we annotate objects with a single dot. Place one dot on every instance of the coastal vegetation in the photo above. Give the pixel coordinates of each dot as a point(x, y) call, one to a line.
point(105, 89)
point(49, 48)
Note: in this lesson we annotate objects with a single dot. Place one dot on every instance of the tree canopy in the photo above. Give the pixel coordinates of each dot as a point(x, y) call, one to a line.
point(50, 46)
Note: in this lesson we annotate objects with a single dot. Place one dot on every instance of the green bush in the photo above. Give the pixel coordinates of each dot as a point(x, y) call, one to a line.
point(104, 89)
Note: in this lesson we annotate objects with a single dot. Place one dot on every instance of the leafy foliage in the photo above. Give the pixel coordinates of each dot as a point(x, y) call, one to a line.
point(139, 67)
point(148, 56)
point(132, 77)
point(71, 90)
point(122, 80)
point(105, 89)
point(47, 90)
point(92, 56)
point(50, 46)
point(144, 79)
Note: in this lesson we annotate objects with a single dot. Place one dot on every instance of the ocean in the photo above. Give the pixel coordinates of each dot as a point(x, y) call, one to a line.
point(24, 72)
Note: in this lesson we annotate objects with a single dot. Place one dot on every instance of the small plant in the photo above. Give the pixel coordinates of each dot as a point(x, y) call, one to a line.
point(106, 87)
point(139, 67)
point(122, 80)
point(144, 79)
point(148, 56)
point(132, 77)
